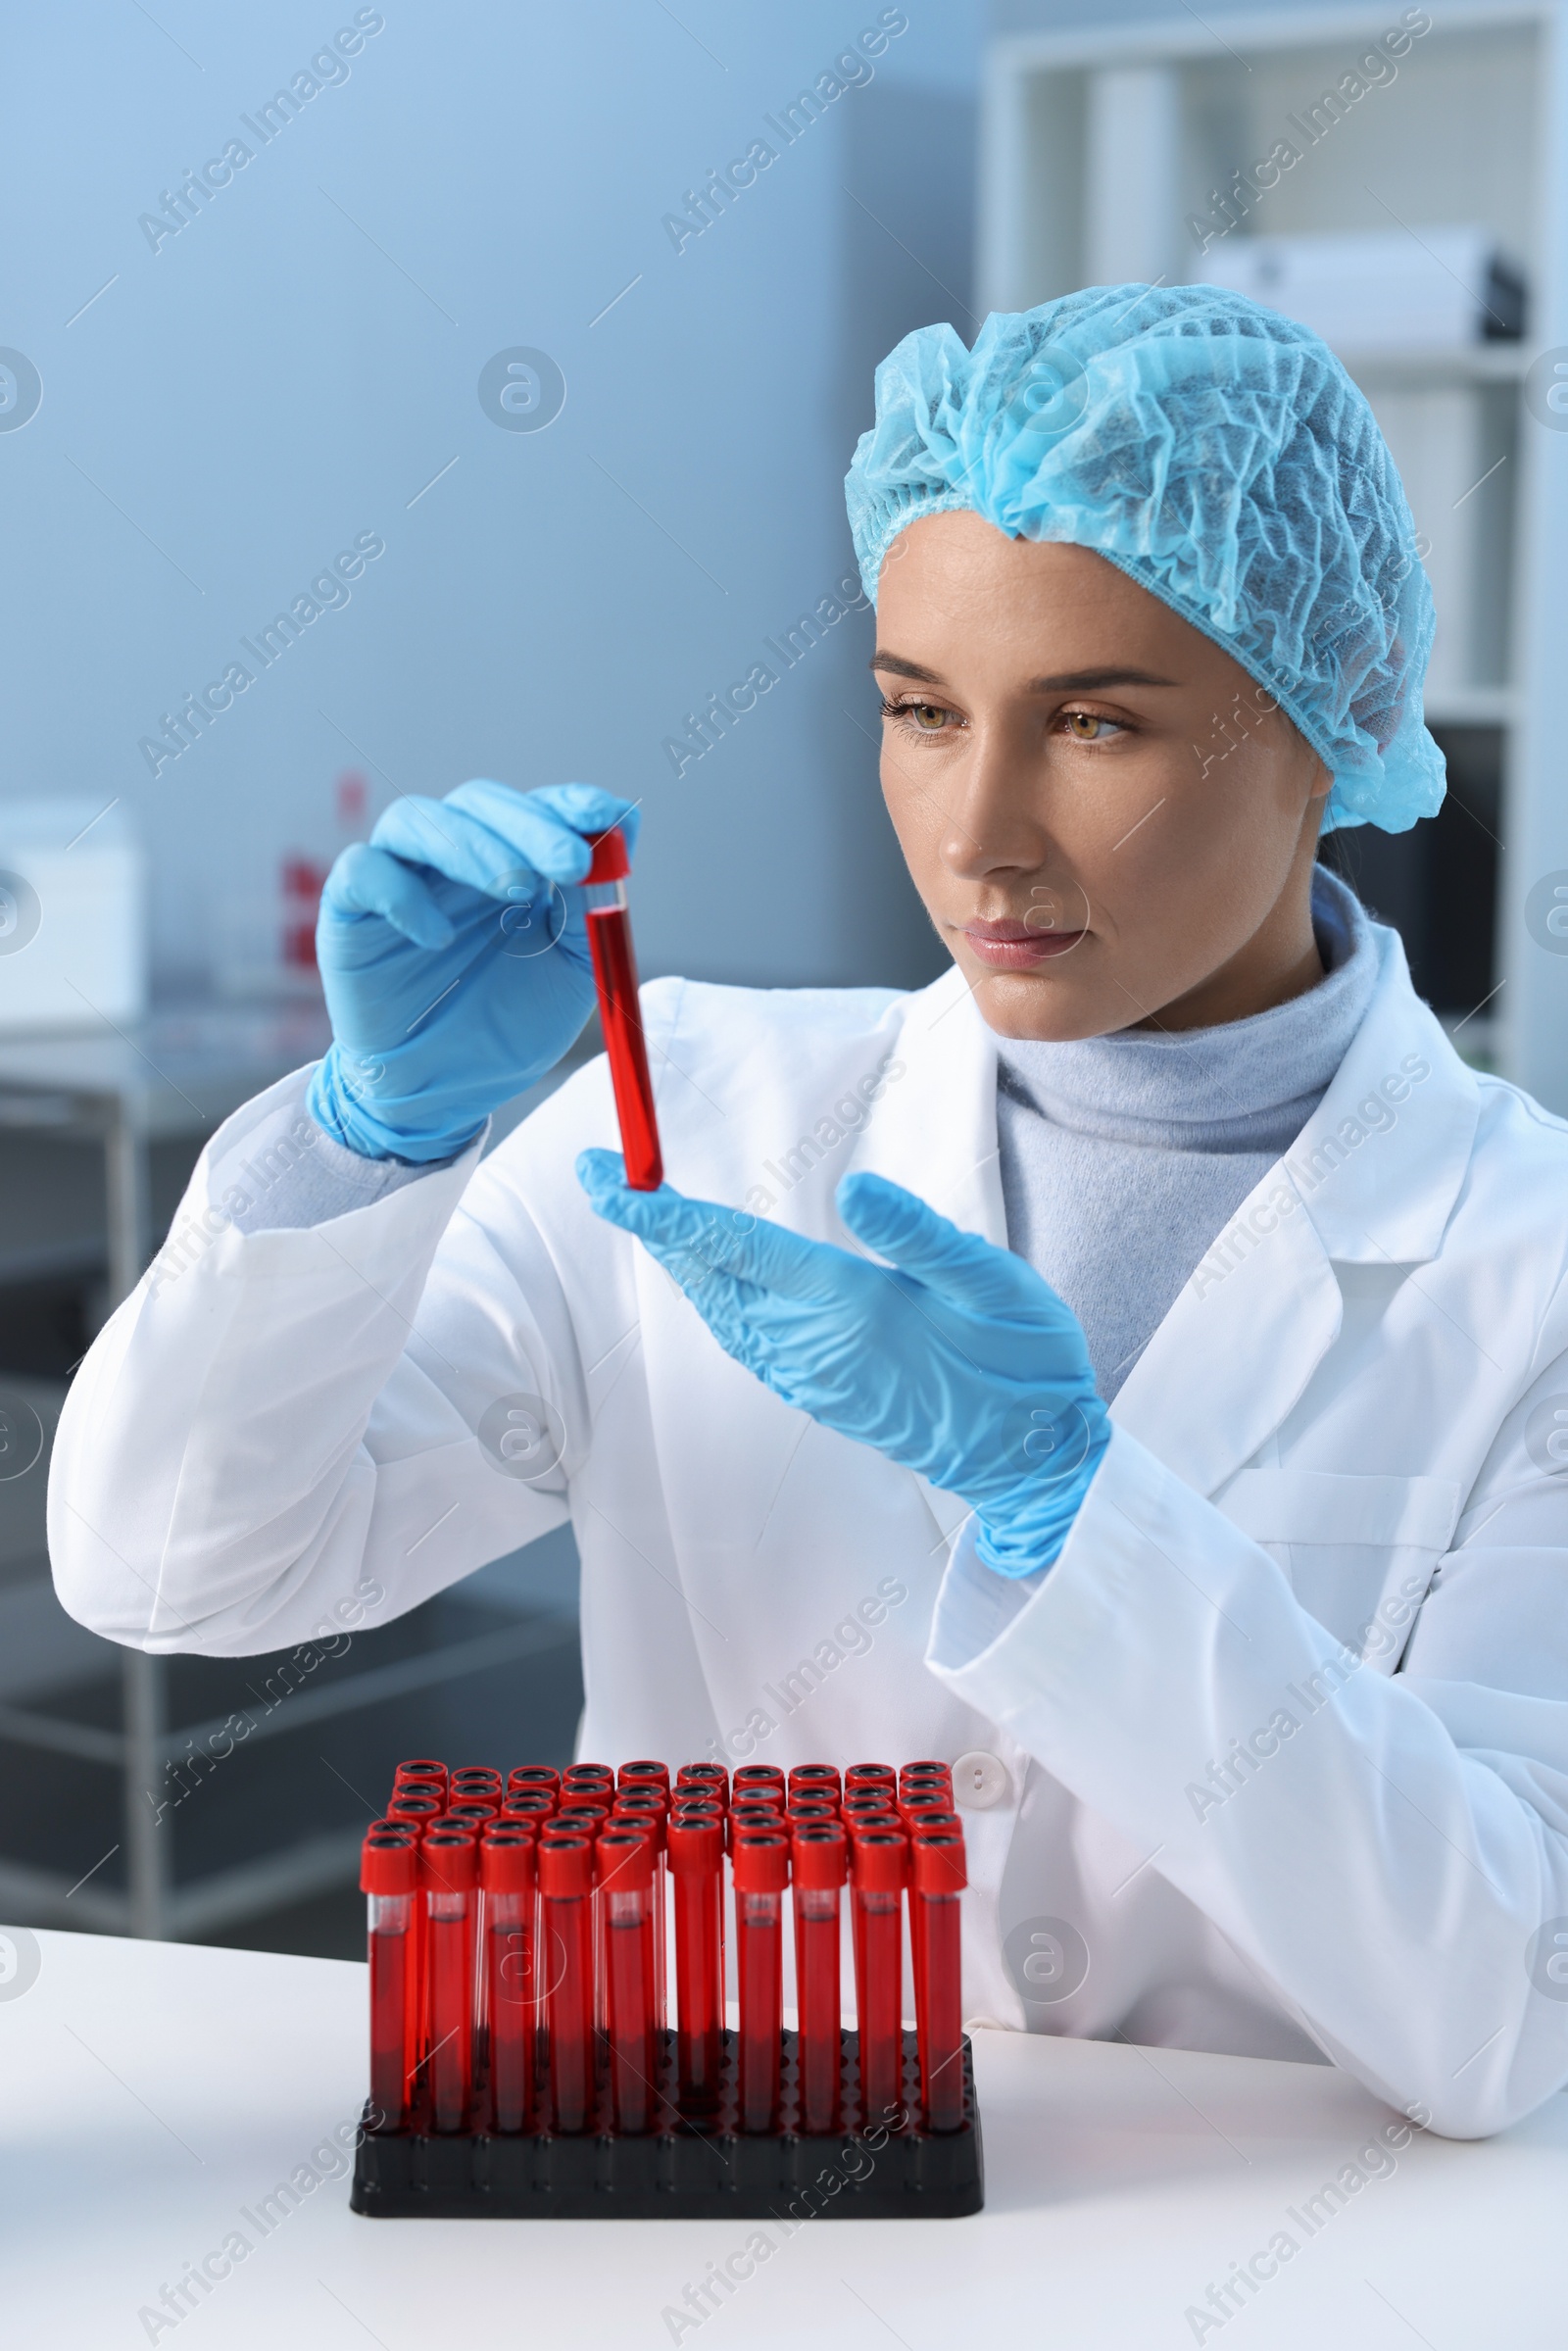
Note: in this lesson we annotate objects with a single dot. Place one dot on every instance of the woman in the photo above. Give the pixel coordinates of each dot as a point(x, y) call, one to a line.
point(1126, 1366)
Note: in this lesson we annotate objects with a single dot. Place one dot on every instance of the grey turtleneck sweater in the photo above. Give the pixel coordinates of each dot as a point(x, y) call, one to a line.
point(1124, 1156)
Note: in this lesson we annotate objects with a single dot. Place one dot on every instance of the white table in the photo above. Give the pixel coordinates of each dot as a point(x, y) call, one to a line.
point(152, 2092)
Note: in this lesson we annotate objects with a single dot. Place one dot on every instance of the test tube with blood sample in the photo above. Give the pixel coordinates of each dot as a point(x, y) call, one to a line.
point(760, 1864)
point(566, 1959)
point(448, 1870)
point(697, 1872)
point(508, 1878)
point(624, 1869)
point(620, 1010)
point(817, 1866)
point(648, 1802)
point(389, 1868)
point(880, 1868)
point(938, 1878)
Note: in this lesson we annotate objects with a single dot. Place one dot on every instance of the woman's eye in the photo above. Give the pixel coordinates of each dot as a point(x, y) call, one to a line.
point(1087, 726)
point(926, 717)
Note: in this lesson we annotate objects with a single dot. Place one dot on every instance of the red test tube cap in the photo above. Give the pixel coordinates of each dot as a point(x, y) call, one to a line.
point(566, 1866)
point(610, 862)
point(449, 1861)
point(936, 1823)
point(881, 1860)
point(819, 1857)
point(939, 1865)
point(623, 1861)
point(650, 1827)
point(870, 1774)
point(507, 1861)
point(643, 1774)
point(761, 1861)
point(389, 1863)
point(696, 1845)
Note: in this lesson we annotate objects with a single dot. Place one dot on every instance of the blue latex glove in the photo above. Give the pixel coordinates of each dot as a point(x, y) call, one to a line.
point(456, 965)
point(954, 1357)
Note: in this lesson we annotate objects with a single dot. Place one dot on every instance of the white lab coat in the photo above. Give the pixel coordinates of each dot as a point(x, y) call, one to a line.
point(1338, 1436)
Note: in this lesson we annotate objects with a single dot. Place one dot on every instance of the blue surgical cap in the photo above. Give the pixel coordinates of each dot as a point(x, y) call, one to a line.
point(1220, 455)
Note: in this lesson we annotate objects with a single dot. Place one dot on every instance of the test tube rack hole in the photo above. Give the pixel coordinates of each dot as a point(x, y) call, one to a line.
point(548, 1963)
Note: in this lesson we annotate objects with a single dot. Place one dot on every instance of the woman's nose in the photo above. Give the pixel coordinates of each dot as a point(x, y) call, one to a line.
point(991, 828)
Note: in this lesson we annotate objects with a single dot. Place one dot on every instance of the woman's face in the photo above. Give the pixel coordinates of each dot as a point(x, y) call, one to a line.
point(1107, 819)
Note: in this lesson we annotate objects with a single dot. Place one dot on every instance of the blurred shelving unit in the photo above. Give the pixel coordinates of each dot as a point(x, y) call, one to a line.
point(1101, 149)
point(99, 1740)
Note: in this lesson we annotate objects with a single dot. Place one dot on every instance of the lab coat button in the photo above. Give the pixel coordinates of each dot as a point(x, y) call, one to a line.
point(980, 1781)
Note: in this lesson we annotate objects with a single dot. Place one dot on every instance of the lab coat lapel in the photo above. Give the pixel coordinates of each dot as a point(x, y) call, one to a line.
point(934, 1128)
point(1371, 1179)
point(935, 1133)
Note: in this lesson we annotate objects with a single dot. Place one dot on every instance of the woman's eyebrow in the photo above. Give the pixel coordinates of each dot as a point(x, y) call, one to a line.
point(1090, 681)
point(895, 661)
point(1073, 681)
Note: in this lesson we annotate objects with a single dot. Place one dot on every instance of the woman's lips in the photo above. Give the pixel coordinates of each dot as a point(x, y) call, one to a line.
point(1015, 945)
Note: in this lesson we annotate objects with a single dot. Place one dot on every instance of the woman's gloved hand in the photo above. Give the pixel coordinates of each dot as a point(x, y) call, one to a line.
point(954, 1357)
point(454, 955)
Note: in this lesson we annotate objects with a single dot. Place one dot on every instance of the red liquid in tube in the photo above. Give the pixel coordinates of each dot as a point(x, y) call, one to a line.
point(389, 1877)
point(761, 1862)
point(818, 1861)
point(621, 1013)
point(566, 1960)
point(507, 1879)
point(697, 1869)
point(881, 1867)
point(939, 1879)
point(449, 1868)
point(624, 1859)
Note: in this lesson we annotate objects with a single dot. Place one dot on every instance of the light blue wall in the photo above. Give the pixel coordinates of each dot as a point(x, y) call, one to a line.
point(1076, 15)
point(298, 362)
